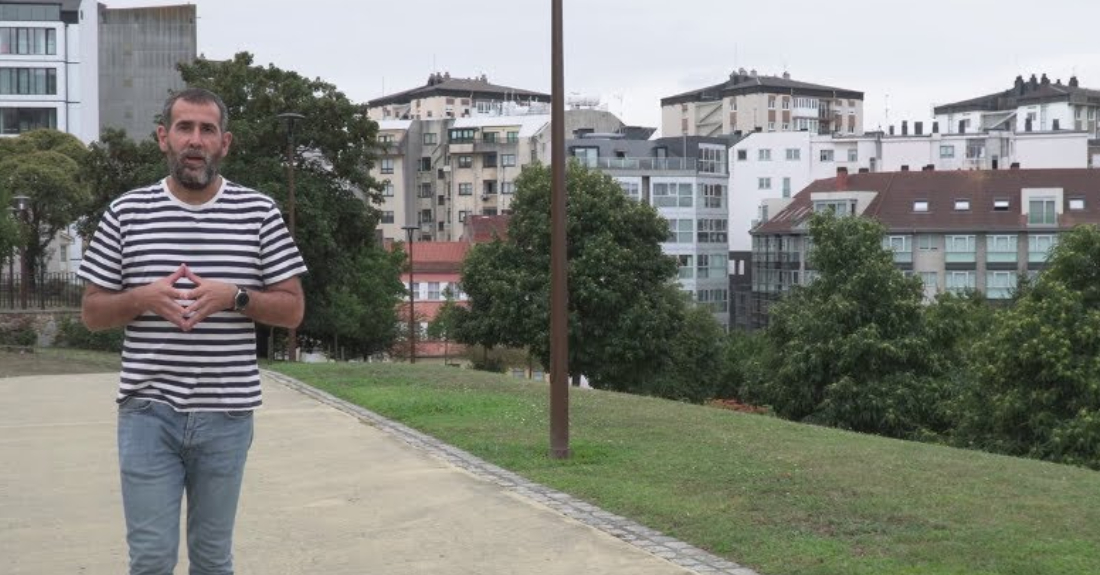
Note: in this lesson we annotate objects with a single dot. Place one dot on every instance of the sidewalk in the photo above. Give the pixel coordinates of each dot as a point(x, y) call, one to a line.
point(324, 493)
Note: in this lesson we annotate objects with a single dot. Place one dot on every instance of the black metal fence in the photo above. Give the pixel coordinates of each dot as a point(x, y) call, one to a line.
point(40, 291)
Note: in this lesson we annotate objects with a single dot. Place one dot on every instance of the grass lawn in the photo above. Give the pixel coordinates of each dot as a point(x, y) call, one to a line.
point(56, 361)
point(780, 497)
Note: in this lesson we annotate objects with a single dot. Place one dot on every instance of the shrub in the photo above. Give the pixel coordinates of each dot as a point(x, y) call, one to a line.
point(72, 333)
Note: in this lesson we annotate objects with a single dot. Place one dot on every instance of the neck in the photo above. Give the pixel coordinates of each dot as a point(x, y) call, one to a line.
point(191, 196)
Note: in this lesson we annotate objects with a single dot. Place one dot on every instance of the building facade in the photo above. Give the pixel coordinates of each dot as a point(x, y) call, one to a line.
point(956, 230)
point(749, 102)
point(1036, 104)
point(49, 70)
point(686, 179)
point(139, 50)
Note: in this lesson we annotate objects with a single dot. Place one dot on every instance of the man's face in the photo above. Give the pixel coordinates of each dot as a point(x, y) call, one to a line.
point(194, 143)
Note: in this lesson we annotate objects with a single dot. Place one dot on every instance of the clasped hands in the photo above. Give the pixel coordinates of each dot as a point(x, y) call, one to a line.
point(186, 308)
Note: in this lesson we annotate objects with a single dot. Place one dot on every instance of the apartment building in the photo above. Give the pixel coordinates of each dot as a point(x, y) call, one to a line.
point(749, 102)
point(1036, 104)
point(956, 230)
point(436, 269)
point(139, 49)
point(438, 169)
point(686, 179)
point(49, 69)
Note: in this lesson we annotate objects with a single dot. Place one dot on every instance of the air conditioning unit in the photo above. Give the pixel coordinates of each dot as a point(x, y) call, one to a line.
point(484, 197)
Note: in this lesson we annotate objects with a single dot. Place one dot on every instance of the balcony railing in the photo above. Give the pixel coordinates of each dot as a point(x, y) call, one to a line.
point(960, 257)
point(657, 164)
point(1001, 257)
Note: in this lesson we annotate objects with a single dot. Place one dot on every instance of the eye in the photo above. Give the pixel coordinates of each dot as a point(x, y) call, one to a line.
point(209, 129)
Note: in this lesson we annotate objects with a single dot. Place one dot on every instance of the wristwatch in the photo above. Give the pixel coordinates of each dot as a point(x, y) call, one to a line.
point(240, 301)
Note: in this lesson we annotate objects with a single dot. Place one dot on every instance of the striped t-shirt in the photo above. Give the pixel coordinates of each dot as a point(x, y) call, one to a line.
point(237, 237)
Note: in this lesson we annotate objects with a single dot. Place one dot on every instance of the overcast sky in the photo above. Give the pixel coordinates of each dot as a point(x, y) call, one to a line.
point(904, 56)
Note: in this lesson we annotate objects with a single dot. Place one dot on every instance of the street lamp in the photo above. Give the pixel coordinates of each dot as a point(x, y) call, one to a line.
point(22, 209)
point(559, 293)
point(290, 118)
point(410, 233)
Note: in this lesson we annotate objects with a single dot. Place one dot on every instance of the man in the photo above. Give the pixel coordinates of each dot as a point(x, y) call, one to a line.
point(187, 265)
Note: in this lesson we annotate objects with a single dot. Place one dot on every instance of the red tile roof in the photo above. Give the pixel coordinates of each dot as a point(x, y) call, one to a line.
point(893, 206)
point(485, 228)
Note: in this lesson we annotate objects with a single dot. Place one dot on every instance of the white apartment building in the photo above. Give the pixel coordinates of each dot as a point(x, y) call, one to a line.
point(1036, 104)
point(49, 67)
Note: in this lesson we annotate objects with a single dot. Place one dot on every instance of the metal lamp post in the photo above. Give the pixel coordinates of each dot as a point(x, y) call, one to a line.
point(410, 233)
point(290, 118)
point(22, 209)
point(559, 294)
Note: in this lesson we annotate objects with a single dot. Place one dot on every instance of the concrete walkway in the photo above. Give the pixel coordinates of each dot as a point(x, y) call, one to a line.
point(323, 493)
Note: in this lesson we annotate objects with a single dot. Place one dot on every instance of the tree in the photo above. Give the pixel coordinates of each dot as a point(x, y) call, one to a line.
point(114, 165)
point(840, 356)
point(353, 284)
point(442, 328)
point(43, 165)
point(624, 304)
point(1037, 391)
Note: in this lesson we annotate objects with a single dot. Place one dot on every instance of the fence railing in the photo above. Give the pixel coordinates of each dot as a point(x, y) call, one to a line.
point(40, 291)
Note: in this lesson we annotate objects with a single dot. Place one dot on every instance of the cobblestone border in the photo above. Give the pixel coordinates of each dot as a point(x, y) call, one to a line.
point(655, 542)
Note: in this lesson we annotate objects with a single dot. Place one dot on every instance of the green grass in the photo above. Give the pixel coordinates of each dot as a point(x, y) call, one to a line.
point(780, 497)
point(56, 361)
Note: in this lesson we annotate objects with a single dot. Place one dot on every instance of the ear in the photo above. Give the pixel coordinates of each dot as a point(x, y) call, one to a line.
point(227, 139)
point(162, 137)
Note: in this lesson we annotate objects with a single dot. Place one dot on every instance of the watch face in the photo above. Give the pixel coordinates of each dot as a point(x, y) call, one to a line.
point(241, 300)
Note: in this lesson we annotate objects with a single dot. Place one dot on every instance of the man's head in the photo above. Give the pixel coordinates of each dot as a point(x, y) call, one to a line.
point(193, 136)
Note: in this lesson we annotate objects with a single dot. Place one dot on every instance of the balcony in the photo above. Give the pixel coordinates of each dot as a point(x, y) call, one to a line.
point(644, 164)
point(960, 257)
point(392, 147)
point(1001, 257)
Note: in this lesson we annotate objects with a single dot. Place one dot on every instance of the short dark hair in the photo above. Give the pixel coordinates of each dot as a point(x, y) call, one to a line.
point(195, 96)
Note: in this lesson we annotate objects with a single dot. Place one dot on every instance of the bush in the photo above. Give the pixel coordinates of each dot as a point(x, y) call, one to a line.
point(72, 333)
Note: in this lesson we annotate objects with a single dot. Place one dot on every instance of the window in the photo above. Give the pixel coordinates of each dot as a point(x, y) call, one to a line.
point(28, 41)
point(742, 155)
point(962, 205)
point(763, 183)
point(466, 189)
point(508, 160)
point(794, 154)
point(959, 282)
point(512, 137)
point(786, 187)
point(713, 300)
point(838, 207)
point(28, 81)
point(712, 231)
point(507, 187)
point(712, 266)
point(387, 217)
point(826, 155)
point(465, 161)
point(1000, 205)
point(999, 285)
point(927, 243)
point(1039, 246)
point(489, 160)
point(462, 135)
point(930, 281)
point(920, 205)
point(764, 155)
point(771, 102)
point(687, 270)
point(713, 195)
point(425, 191)
point(960, 248)
point(902, 246)
point(387, 165)
point(383, 139)
point(588, 156)
point(853, 155)
point(771, 127)
point(672, 195)
point(462, 216)
point(1076, 204)
point(1000, 248)
point(430, 138)
point(786, 103)
point(947, 151)
point(489, 137)
point(1041, 212)
point(387, 190)
point(679, 231)
point(433, 291)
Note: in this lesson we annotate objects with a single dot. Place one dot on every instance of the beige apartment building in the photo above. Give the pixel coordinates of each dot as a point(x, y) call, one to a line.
point(750, 102)
point(453, 148)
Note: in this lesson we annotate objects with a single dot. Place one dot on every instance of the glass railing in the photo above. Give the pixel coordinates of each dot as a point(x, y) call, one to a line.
point(960, 257)
point(996, 257)
point(656, 164)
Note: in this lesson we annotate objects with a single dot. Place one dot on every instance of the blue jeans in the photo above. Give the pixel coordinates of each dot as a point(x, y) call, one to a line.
point(162, 453)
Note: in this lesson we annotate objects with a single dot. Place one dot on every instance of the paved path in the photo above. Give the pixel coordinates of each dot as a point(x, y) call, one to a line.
point(323, 493)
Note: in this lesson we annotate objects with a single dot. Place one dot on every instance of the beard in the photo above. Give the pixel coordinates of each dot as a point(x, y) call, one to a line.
point(193, 177)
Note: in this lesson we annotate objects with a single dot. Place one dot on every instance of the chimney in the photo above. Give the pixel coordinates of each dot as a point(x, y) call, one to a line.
point(1027, 125)
point(1019, 85)
point(905, 168)
point(918, 128)
point(935, 127)
point(752, 72)
point(905, 127)
point(891, 129)
point(841, 179)
point(786, 75)
point(1056, 125)
point(929, 168)
point(1015, 165)
point(741, 72)
point(1073, 82)
point(1045, 81)
point(1032, 83)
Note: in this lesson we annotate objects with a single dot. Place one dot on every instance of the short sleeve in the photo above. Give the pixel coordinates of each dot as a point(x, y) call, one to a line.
point(102, 261)
point(279, 256)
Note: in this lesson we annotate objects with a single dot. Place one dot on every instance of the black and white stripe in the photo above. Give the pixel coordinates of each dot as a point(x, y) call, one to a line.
point(237, 237)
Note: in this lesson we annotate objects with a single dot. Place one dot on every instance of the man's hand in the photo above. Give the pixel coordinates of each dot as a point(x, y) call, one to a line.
point(207, 297)
point(162, 298)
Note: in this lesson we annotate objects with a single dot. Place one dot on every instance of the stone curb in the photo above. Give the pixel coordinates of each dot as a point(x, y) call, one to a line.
point(649, 540)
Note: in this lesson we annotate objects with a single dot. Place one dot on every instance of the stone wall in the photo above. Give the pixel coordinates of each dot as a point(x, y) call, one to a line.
point(46, 324)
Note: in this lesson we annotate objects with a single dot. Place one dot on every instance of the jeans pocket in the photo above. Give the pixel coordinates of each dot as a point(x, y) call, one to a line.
point(239, 414)
point(134, 405)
